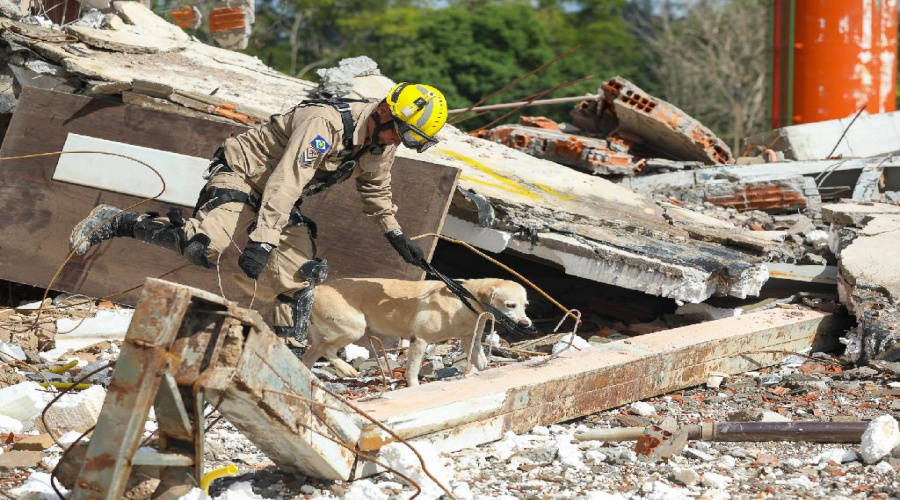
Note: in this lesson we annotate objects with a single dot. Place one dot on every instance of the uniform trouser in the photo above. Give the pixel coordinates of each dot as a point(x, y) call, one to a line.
point(223, 224)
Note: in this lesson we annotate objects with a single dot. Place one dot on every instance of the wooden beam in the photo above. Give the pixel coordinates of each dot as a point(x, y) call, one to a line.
point(481, 408)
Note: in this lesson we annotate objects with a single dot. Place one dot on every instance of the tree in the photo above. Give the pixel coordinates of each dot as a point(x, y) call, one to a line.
point(709, 57)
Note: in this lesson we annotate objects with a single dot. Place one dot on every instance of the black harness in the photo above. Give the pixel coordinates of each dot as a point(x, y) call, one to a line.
point(212, 198)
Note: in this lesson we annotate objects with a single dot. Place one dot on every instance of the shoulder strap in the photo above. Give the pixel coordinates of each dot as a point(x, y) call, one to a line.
point(343, 107)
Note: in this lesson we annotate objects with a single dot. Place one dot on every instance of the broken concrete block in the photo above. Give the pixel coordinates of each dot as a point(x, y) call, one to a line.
point(643, 409)
point(9, 424)
point(869, 286)
point(684, 475)
point(19, 460)
point(595, 156)
point(76, 412)
point(664, 128)
point(401, 458)
point(9, 352)
point(39, 442)
point(364, 489)
point(23, 401)
point(881, 436)
point(137, 14)
point(715, 481)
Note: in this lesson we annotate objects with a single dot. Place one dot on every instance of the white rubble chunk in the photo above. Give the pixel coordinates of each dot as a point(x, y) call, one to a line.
point(541, 430)
point(23, 401)
point(353, 351)
point(37, 487)
point(658, 490)
point(194, 494)
point(240, 491)
point(715, 481)
point(507, 446)
point(9, 352)
point(9, 424)
point(568, 453)
point(577, 343)
point(685, 475)
point(400, 457)
point(818, 239)
point(364, 489)
point(837, 455)
point(595, 456)
point(881, 436)
point(643, 409)
point(884, 468)
point(76, 412)
point(773, 416)
point(70, 437)
point(463, 491)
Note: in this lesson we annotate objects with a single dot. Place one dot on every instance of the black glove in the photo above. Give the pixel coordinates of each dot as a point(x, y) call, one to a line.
point(254, 258)
point(407, 248)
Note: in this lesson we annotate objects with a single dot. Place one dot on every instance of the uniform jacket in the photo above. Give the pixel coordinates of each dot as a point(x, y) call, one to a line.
point(301, 147)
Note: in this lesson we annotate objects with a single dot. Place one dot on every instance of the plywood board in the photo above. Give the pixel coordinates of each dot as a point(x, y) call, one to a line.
point(39, 212)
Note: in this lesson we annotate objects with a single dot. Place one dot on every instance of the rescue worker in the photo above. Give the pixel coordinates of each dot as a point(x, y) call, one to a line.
point(258, 180)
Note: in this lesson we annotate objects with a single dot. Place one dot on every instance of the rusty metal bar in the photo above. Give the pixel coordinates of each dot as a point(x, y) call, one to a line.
point(142, 363)
point(810, 432)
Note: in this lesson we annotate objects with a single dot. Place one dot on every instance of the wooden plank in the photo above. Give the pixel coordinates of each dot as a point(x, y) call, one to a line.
point(38, 212)
point(480, 408)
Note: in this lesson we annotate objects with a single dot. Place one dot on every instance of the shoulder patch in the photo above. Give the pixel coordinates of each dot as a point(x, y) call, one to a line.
point(320, 144)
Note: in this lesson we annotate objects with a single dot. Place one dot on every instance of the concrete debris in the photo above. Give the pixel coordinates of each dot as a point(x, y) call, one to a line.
point(10, 424)
point(401, 458)
point(870, 135)
point(626, 111)
point(19, 460)
point(881, 436)
point(643, 409)
point(706, 312)
point(592, 155)
point(353, 351)
point(570, 341)
point(23, 402)
point(340, 81)
point(76, 412)
point(866, 239)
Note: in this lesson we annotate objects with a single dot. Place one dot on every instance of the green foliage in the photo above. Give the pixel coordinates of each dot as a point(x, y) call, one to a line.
point(466, 48)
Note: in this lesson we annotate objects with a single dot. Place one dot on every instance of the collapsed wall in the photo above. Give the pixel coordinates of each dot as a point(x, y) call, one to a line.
point(506, 199)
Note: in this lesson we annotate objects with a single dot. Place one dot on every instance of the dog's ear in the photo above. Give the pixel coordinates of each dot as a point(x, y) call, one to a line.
point(486, 294)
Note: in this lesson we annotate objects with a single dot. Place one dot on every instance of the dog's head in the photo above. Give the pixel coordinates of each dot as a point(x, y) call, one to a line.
point(507, 297)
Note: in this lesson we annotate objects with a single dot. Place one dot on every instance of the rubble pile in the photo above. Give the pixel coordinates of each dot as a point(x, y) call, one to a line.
point(623, 132)
point(557, 461)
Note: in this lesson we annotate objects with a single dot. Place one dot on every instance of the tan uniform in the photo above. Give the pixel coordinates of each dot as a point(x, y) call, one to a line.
point(275, 162)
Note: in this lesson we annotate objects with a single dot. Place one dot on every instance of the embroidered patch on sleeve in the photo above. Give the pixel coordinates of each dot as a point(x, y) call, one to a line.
point(308, 157)
point(320, 144)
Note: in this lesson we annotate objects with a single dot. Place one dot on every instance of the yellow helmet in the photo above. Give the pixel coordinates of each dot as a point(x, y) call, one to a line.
point(420, 112)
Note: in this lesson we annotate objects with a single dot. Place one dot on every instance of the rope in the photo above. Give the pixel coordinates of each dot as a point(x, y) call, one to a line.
point(478, 252)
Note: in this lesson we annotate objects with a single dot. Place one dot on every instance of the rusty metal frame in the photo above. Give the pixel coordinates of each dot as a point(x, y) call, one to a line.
point(185, 347)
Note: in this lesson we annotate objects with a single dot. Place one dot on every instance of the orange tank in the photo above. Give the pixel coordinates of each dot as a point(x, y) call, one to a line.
point(831, 58)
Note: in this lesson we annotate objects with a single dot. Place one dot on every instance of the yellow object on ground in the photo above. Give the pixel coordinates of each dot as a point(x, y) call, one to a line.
point(228, 470)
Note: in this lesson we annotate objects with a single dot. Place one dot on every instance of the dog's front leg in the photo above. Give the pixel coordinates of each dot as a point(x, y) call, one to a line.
point(414, 357)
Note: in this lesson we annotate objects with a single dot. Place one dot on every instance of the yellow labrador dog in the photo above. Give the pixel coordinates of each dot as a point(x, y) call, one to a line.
point(423, 312)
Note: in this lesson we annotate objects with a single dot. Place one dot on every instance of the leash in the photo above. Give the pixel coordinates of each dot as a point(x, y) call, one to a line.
point(466, 296)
